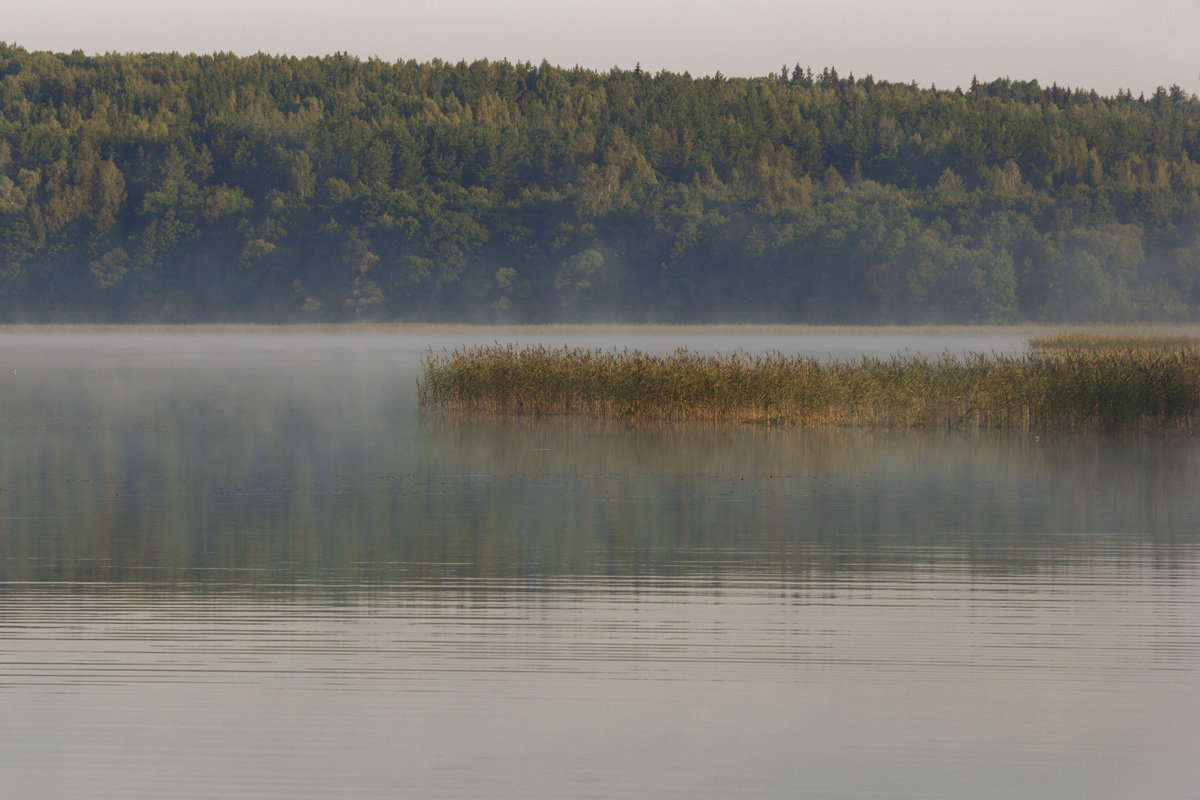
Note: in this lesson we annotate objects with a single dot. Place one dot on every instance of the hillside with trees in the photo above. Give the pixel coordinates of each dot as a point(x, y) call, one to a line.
point(145, 187)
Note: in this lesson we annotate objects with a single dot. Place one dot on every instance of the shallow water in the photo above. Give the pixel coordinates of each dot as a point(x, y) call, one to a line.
point(247, 566)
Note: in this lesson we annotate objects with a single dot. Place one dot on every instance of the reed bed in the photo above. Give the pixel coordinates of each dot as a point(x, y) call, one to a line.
point(1071, 389)
point(1107, 343)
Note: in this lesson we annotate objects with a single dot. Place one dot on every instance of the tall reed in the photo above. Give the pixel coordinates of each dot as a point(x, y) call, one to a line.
point(1100, 342)
point(1070, 389)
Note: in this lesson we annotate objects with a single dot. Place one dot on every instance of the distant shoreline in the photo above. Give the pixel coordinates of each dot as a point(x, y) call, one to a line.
point(1023, 329)
point(162, 187)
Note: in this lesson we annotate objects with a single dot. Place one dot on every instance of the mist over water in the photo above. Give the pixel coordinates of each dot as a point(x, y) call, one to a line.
point(238, 565)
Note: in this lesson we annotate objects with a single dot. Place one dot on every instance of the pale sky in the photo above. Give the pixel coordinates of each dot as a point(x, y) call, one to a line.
point(1100, 44)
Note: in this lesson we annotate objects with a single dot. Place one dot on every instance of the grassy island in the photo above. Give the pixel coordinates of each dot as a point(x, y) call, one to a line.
point(1057, 343)
point(1116, 387)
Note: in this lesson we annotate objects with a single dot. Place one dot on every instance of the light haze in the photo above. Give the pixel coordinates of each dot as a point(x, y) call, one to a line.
point(1105, 45)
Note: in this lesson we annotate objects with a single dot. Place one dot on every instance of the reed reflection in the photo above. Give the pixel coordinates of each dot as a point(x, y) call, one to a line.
point(281, 476)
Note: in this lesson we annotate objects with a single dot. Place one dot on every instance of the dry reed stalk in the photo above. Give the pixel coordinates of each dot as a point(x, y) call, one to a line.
point(1106, 343)
point(1142, 389)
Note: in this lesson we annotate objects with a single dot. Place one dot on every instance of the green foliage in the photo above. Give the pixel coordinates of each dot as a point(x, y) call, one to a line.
point(275, 187)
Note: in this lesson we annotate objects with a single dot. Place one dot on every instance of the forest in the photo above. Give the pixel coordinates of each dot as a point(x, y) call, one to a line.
point(187, 188)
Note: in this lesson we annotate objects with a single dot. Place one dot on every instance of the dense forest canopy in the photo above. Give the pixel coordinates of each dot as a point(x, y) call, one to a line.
point(217, 187)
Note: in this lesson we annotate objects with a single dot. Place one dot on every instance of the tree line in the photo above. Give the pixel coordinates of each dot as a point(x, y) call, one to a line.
point(217, 187)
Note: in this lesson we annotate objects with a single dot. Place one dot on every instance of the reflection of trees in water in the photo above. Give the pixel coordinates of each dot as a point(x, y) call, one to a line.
point(275, 480)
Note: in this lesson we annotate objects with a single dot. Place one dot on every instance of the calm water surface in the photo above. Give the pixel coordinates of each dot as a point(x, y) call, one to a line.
point(247, 566)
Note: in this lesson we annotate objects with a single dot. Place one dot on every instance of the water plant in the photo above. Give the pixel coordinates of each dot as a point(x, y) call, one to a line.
point(1101, 342)
point(1145, 389)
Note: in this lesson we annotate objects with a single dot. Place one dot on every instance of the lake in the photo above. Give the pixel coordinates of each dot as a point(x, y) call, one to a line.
point(244, 564)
